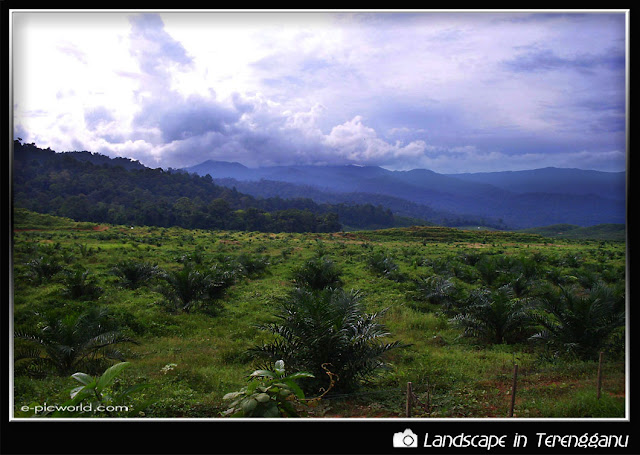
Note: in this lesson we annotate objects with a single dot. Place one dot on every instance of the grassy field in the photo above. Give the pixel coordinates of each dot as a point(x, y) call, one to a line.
point(190, 359)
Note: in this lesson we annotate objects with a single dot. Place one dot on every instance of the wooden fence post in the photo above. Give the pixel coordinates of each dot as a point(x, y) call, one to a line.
point(409, 403)
point(599, 375)
point(513, 389)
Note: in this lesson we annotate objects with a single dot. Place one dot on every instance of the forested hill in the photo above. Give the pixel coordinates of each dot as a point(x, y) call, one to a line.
point(90, 187)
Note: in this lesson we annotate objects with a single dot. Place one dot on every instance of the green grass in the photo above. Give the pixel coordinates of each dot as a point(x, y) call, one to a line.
point(604, 232)
point(192, 360)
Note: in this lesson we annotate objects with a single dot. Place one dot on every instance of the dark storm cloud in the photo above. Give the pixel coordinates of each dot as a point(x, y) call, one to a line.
point(180, 118)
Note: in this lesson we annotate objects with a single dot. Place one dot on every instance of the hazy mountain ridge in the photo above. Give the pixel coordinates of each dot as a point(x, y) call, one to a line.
point(518, 199)
point(611, 185)
point(401, 207)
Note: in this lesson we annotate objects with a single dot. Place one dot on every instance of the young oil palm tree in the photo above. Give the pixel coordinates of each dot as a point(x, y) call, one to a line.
point(494, 316)
point(327, 327)
point(133, 274)
point(80, 284)
point(438, 290)
point(318, 273)
point(579, 322)
point(43, 268)
point(192, 287)
point(82, 341)
point(383, 265)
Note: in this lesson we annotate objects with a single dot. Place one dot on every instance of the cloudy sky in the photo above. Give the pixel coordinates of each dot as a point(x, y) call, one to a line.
point(447, 91)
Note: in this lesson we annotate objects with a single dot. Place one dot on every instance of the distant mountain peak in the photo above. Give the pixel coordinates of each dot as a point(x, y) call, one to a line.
point(220, 163)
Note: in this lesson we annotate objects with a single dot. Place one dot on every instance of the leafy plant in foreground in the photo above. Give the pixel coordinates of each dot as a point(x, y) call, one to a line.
point(268, 394)
point(102, 395)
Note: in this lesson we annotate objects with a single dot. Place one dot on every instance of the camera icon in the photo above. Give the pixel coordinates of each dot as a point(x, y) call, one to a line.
point(406, 438)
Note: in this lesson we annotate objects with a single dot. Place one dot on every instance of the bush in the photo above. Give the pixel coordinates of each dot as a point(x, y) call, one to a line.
point(269, 393)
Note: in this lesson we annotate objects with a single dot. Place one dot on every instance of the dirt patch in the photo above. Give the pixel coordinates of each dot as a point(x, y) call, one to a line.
point(476, 245)
point(230, 242)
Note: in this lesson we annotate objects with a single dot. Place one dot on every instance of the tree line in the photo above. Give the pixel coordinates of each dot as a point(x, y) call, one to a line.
point(91, 187)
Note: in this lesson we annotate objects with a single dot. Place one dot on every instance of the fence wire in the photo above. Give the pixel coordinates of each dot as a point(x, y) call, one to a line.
point(427, 397)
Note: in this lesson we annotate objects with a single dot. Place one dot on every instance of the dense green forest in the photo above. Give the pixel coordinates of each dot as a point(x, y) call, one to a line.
point(91, 187)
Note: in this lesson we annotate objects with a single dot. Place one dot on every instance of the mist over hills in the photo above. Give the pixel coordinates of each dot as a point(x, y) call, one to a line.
point(510, 199)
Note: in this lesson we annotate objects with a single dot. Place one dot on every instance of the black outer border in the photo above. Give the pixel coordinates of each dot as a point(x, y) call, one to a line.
point(330, 436)
point(286, 436)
